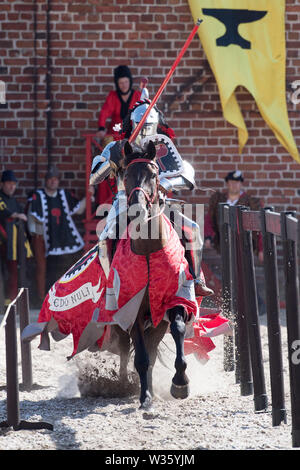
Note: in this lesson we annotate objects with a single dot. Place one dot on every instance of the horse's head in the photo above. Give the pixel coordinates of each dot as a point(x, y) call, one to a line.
point(141, 180)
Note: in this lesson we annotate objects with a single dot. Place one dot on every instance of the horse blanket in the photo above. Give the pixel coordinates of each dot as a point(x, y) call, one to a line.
point(165, 273)
point(85, 303)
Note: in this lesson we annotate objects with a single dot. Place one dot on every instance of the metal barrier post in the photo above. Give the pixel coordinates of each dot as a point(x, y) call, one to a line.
point(289, 240)
point(226, 282)
point(272, 303)
point(12, 381)
point(23, 311)
point(251, 311)
point(242, 341)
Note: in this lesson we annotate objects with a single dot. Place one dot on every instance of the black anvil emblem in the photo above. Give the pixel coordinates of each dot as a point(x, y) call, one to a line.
point(232, 19)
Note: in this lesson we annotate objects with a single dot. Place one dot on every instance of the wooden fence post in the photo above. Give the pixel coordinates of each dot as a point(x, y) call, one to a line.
point(251, 313)
point(226, 282)
point(289, 240)
point(270, 224)
point(23, 311)
point(242, 341)
point(12, 381)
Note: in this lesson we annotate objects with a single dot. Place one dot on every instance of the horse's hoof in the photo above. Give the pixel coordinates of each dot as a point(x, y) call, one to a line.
point(146, 404)
point(180, 391)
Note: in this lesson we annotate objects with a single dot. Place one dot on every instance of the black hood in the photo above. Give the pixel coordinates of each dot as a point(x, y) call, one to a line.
point(120, 72)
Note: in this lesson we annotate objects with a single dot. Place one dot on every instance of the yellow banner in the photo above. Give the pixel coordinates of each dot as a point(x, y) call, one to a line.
point(244, 41)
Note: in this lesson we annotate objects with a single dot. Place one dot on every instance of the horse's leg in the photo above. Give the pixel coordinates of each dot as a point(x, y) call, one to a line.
point(141, 359)
point(153, 337)
point(124, 345)
point(180, 387)
point(119, 344)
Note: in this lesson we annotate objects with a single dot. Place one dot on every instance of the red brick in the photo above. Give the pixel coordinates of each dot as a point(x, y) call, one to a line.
point(89, 39)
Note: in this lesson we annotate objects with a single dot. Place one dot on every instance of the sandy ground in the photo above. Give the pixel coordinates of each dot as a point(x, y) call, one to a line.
point(215, 416)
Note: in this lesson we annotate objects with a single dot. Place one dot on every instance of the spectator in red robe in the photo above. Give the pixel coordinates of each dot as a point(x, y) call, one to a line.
point(115, 108)
point(118, 102)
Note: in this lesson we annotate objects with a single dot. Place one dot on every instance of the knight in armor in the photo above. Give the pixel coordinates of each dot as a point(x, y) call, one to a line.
point(178, 175)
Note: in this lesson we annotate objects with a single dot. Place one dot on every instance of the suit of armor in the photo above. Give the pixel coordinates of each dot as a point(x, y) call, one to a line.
point(179, 175)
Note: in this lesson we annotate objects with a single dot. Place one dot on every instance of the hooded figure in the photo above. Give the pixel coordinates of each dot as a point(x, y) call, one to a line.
point(115, 108)
point(118, 102)
point(122, 71)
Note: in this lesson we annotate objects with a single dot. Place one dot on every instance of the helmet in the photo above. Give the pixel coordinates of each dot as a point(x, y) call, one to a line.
point(150, 125)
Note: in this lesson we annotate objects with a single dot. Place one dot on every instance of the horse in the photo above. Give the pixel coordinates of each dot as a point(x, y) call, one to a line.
point(141, 183)
point(148, 290)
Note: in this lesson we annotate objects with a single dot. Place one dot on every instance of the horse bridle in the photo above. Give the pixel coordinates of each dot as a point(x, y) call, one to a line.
point(139, 188)
point(150, 200)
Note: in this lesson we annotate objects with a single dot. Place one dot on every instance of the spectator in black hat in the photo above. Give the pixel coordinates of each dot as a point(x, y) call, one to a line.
point(11, 212)
point(234, 195)
point(118, 102)
point(56, 241)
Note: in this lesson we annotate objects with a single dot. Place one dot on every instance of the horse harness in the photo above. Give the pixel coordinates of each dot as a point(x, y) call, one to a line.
point(150, 200)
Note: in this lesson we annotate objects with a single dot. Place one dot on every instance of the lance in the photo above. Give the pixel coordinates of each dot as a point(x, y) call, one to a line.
point(164, 83)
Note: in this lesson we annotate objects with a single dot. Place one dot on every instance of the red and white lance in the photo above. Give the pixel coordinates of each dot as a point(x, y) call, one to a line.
point(164, 83)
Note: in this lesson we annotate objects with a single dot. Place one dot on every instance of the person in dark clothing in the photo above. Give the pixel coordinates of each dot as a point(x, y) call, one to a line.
point(11, 215)
point(234, 195)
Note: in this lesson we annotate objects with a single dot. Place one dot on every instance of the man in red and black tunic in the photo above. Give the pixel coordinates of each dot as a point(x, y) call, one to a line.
point(54, 234)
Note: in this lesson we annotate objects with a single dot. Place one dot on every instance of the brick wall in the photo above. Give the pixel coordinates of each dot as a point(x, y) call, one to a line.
point(88, 39)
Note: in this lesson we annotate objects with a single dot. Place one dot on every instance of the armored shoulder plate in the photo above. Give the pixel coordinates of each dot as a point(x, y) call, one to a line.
point(167, 156)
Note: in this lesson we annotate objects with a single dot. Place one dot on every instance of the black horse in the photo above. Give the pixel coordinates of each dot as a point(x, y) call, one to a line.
point(141, 186)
